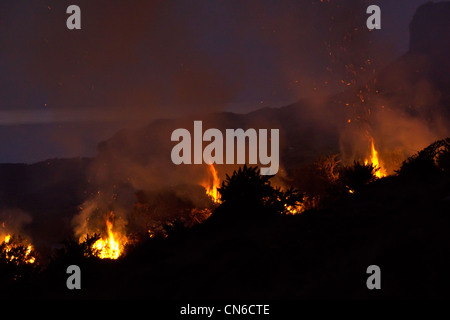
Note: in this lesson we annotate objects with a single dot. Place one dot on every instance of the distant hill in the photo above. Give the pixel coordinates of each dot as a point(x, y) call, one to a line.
point(33, 142)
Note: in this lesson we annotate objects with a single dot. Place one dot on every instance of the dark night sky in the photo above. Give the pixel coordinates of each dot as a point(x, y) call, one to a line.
point(135, 62)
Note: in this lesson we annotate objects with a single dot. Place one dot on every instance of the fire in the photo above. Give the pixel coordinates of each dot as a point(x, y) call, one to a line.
point(213, 184)
point(375, 161)
point(293, 210)
point(13, 253)
point(112, 246)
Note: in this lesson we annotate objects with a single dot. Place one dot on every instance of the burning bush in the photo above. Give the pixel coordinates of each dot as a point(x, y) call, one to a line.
point(14, 250)
point(76, 250)
point(17, 260)
point(110, 239)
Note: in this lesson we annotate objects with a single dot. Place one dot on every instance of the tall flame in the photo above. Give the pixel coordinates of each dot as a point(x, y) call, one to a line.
point(375, 161)
point(112, 246)
point(9, 248)
point(213, 184)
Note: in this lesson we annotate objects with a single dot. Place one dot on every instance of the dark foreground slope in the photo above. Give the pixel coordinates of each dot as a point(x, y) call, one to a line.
point(398, 223)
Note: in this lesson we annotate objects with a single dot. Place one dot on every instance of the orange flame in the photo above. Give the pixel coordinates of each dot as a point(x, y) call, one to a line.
point(375, 161)
point(293, 210)
point(112, 246)
point(211, 188)
point(8, 247)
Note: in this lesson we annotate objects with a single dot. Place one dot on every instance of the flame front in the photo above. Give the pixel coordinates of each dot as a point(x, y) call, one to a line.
point(112, 246)
point(10, 247)
point(212, 188)
point(293, 210)
point(375, 161)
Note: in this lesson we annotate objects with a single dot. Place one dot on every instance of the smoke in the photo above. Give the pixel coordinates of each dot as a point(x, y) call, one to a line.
point(402, 105)
point(94, 214)
point(349, 79)
point(141, 61)
point(132, 63)
point(14, 222)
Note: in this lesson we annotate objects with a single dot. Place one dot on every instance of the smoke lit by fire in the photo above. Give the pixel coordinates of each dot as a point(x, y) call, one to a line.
point(98, 218)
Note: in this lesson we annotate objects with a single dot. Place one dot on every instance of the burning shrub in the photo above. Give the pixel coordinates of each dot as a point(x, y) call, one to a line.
point(15, 250)
point(76, 250)
point(17, 260)
point(81, 249)
point(355, 177)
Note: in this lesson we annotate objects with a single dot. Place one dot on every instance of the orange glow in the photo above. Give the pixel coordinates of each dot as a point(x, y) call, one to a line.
point(111, 246)
point(375, 161)
point(213, 184)
point(8, 249)
point(293, 210)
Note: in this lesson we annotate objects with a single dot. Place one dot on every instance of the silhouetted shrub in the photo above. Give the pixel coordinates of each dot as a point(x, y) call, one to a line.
point(175, 228)
point(356, 176)
point(18, 261)
point(429, 161)
point(247, 190)
point(443, 157)
point(76, 251)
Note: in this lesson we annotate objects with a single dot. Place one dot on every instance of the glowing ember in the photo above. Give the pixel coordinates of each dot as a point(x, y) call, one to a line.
point(293, 210)
point(213, 184)
point(375, 161)
point(112, 246)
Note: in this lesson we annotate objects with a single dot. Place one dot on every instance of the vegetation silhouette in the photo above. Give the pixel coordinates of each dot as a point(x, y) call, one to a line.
point(248, 194)
point(429, 161)
point(250, 249)
point(356, 176)
point(18, 266)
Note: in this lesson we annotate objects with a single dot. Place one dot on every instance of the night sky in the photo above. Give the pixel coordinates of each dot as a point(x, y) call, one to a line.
point(133, 62)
